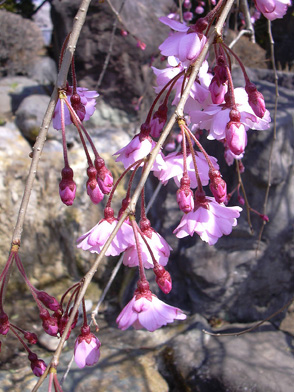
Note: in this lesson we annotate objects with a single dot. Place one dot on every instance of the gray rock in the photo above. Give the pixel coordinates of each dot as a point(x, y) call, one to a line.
point(49, 342)
point(259, 361)
point(21, 42)
point(43, 71)
point(30, 114)
point(13, 90)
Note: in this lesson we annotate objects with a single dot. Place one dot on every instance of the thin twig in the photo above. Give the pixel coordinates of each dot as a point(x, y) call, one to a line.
point(106, 62)
point(249, 26)
point(254, 326)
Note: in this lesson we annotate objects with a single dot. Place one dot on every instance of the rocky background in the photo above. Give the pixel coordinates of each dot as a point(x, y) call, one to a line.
point(222, 288)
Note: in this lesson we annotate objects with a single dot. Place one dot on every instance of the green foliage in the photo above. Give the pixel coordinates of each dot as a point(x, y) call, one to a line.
point(22, 7)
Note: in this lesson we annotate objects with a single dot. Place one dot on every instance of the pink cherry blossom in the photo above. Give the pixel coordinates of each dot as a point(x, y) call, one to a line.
point(147, 312)
point(138, 149)
point(273, 9)
point(86, 351)
point(199, 91)
point(95, 239)
point(175, 169)
point(88, 101)
point(210, 222)
point(216, 117)
point(185, 44)
point(159, 246)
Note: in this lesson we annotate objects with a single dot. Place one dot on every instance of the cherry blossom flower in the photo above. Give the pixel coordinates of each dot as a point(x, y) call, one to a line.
point(175, 169)
point(185, 43)
point(216, 117)
point(138, 149)
point(160, 248)
point(87, 100)
point(147, 311)
point(86, 351)
point(95, 239)
point(273, 9)
point(210, 221)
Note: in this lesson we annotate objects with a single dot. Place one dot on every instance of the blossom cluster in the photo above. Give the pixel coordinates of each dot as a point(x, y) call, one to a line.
point(213, 108)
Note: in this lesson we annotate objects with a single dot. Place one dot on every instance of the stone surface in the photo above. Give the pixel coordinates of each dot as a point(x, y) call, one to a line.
point(255, 362)
point(21, 42)
point(13, 90)
point(128, 74)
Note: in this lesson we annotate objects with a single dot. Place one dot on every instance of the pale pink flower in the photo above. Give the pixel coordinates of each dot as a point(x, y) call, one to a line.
point(199, 92)
point(216, 117)
point(210, 221)
point(86, 351)
point(273, 9)
point(159, 246)
point(149, 313)
point(95, 239)
point(175, 169)
point(87, 100)
point(138, 149)
point(184, 44)
point(230, 157)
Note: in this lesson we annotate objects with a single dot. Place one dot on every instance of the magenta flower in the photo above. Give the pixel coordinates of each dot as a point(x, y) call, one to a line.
point(273, 9)
point(210, 221)
point(95, 239)
point(159, 246)
point(87, 103)
point(185, 44)
point(86, 351)
point(137, 149)
point(147, 311)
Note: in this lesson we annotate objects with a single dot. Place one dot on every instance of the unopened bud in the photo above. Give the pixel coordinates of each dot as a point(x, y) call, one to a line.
point(78, 107)
point(31, 337)
point(48, 300)
point(93, 189)
point(38, 366)
point(104, 176)
point(67, 187)
point(4, 324)
point(255, 99)
point(49, 324)
point(163, 278)
point(236, 137)
point(217, 186)
point(217, 91)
